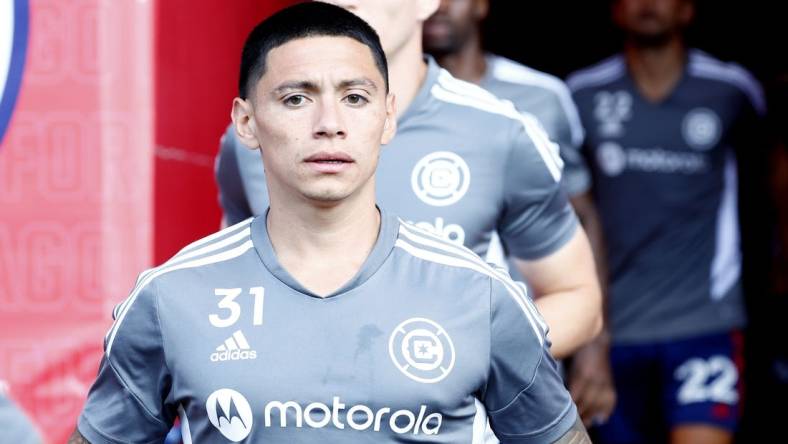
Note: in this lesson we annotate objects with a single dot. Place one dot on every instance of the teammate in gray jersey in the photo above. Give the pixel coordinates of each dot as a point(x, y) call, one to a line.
point(453, 36)
point(465, 166)
point(326, 319)
point(15, 426)
point(662, 123)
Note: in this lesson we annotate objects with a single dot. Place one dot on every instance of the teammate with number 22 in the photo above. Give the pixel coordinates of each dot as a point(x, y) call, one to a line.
point(364, 328)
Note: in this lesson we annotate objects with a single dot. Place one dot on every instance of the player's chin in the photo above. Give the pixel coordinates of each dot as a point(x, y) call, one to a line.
point(328, 194)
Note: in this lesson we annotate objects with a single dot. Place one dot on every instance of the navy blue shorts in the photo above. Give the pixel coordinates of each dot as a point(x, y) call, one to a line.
point(664, 385)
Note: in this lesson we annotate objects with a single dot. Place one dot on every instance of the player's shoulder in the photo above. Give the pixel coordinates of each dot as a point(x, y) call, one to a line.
point(508, 299)
point(597, 75)
point(494, 116)
point(435, 250)
point(432, 249)
point(704, 66)
point(220, 248)
point(509, 71)
point(477, 105)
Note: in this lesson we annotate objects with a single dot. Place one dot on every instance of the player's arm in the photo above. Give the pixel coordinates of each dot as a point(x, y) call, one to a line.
point(540, 230)
point(524, 394)
point(77, 438)
point(130, 399)
point(576, 435)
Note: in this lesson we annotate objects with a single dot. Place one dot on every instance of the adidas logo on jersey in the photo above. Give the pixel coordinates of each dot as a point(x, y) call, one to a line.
point(235, 348)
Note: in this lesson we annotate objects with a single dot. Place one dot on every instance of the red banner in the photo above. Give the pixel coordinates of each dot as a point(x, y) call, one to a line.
point(110, 116)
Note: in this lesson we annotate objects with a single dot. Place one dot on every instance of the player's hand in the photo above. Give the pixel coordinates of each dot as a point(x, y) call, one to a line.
point(591, 381)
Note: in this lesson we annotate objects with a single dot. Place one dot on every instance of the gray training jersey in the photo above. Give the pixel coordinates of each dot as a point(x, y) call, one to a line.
point(548, 99)
point(666, 188)
point(15, 427)
point(223, 337)
point(463, 165)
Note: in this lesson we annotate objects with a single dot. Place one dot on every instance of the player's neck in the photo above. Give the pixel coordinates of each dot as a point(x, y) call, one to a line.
point(656, 70)
point(407, 71)
point(324, 246)
point(466, 64)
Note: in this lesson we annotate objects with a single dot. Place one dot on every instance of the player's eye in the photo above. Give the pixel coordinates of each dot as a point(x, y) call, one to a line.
point(295, 100)
point(356, 99)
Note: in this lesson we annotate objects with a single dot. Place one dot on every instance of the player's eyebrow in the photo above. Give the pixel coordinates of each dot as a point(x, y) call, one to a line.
point(298, 85)
point(361, 81)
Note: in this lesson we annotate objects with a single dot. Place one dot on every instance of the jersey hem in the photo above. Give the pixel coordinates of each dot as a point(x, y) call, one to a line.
point(551, 433)
point(95, 436)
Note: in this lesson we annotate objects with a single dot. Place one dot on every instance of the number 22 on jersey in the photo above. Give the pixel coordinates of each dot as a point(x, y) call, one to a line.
point(230, 309)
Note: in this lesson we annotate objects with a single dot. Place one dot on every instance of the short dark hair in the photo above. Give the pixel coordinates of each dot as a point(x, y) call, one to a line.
point(311, 19)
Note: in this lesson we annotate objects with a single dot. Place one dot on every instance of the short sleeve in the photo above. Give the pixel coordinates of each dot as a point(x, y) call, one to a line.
point(129, 402)
point(537, 218)
point(241, 179)
point(525, 397)
point(567, 131)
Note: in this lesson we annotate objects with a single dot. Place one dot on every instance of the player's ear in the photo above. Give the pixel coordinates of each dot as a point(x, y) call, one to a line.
point(426, 8)
point(243, 121)
point(390, 124)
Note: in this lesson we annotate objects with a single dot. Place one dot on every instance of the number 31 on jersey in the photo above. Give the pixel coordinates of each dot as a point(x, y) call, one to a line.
point(230, 310)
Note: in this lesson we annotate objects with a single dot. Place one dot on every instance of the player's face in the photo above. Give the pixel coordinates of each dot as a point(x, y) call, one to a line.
point(452, 25)
point(320, 111)
point(652, 20)
point(395, 21)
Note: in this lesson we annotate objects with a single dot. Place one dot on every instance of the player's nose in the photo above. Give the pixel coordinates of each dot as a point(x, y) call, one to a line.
point(329, 122)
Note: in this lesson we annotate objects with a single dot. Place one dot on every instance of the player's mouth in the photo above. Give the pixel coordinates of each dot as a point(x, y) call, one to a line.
point(331, 163)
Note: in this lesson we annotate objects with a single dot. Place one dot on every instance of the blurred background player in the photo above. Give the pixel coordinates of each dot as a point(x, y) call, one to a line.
point(453, 36)
point(15, 426)
point(662, 122)
point(465, 166)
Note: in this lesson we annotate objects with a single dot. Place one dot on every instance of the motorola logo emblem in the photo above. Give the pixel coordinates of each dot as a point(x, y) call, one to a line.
point(440, 178)
point(230, 413)
point(611, 158)
point(422, 350)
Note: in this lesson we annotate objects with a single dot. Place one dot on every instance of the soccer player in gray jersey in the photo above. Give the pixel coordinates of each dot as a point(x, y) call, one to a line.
point(326, 319)
point(453, 36)
point(662, 122)
point(463, 165)
point(15, 426)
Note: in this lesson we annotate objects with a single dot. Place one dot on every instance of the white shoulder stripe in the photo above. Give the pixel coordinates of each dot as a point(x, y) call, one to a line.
point(509, 71)
point(219, 257)
point(506, 109)
point(734, 75)
point(451, 83)
point(216, 235)
point(605, 71)
point(420, 236)
point(415, 234)
point(461, 263)
point(186, 255)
